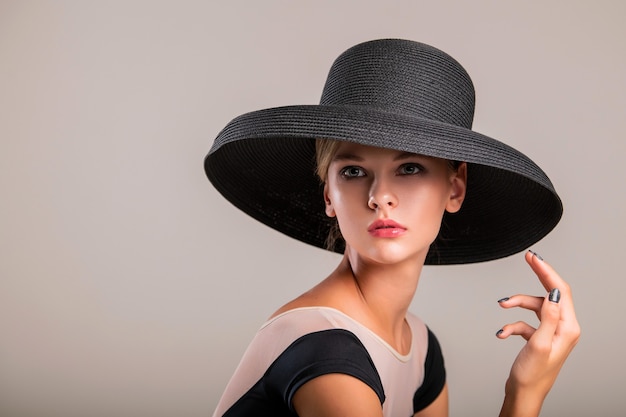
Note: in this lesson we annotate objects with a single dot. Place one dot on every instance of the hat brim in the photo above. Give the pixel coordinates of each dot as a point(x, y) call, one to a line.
point(263, 162)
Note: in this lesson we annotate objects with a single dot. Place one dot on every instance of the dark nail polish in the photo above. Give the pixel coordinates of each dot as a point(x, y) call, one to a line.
point(555, 295)
point(499, 332)
point(536, 255)
point(503, 299)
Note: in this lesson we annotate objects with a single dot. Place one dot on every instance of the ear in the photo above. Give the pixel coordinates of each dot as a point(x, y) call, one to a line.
point(458, 182)
point(330, 210)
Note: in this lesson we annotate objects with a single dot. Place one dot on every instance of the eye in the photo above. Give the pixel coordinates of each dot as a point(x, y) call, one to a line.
point(410, 169)
point(352, 172)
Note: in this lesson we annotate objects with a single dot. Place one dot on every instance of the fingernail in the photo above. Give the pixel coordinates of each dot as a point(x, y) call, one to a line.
point(504, 299)
point(555, 295)
point(536, 255)
point(499, 332)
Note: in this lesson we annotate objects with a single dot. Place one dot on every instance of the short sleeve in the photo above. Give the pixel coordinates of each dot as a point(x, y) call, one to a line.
point(434, 375)
point(321, 353)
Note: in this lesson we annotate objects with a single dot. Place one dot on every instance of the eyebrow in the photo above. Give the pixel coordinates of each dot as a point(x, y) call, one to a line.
point(346, 156)
point(353, 157)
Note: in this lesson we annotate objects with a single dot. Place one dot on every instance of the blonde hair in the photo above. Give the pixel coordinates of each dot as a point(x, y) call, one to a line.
point(325, 150)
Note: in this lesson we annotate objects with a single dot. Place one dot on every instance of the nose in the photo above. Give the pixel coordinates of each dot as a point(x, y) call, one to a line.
point(381, 196)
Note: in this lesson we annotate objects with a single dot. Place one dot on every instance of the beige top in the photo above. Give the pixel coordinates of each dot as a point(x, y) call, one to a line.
point(401, 375)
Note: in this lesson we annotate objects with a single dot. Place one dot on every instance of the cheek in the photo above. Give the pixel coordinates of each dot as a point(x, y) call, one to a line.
point(339, 201)
point(345, 203)
point(427, 205)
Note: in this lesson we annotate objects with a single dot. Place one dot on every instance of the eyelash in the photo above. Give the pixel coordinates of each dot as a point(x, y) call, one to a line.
point(344, 172)
point(419, 169)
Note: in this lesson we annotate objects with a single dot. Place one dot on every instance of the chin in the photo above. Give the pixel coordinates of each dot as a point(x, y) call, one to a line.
point(390, 253)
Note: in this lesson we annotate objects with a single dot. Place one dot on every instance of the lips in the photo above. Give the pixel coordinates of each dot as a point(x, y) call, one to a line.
point(386, 228)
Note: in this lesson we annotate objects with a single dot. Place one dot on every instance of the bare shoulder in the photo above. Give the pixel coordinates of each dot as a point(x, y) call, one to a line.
point(311, 298)
point(337, 395)
point(328, 293)
point(291, 305)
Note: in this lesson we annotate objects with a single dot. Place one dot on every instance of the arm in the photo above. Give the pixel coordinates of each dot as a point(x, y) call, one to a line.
point(431, 399)
point(336, 395)
point(438, 408)
point(538, 364)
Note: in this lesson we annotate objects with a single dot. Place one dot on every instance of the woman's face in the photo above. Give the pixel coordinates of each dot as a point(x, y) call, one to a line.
point(389, 204)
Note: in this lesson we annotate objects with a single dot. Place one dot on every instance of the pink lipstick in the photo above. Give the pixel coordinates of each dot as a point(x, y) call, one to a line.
point(386, 228)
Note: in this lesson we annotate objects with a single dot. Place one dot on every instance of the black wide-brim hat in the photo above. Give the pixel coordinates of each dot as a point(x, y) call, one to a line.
point(394, 94)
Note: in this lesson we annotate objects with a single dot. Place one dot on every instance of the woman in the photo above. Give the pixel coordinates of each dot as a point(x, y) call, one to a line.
point(391, 196)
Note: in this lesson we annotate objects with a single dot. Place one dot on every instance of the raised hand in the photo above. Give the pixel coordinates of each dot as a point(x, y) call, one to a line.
point(538, 364)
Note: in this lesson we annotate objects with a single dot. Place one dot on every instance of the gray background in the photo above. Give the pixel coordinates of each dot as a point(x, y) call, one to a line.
point(129, 287)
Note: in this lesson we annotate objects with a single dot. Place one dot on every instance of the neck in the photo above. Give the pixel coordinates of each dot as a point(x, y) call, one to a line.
point(383, 293)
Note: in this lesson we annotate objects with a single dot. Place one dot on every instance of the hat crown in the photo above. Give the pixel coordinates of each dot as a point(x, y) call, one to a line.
point(403, 77)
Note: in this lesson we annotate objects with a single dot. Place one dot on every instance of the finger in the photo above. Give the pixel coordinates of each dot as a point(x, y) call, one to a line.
point(548, 277)
point(524, 301)
point(550, 316)
point(519, 328)
point(551, 279)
